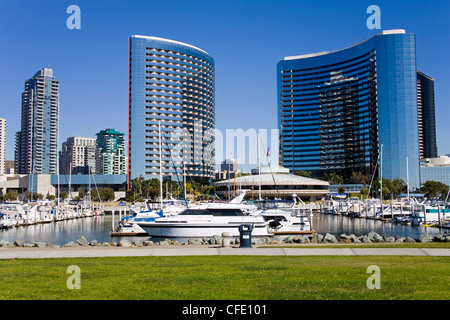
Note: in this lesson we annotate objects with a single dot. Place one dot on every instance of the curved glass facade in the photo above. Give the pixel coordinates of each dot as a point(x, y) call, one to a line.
point(336, 109)
point(170, 84)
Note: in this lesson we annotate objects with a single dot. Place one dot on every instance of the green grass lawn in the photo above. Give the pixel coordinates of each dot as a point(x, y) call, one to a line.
point(227, 278)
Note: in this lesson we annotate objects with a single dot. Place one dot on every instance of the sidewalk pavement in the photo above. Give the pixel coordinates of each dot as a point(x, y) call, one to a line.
point(90, 252)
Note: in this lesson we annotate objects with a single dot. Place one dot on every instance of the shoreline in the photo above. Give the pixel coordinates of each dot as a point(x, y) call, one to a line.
point(171, 250)
point(225, 240)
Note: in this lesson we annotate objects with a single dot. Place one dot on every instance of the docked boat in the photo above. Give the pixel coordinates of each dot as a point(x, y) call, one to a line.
point(401, 219)
point(427, 214)
point(7, 221)
point(128, 227)
point(395, 210)
point(207, 220)
point(12, 214)
point(285, 216)
point(169, 207)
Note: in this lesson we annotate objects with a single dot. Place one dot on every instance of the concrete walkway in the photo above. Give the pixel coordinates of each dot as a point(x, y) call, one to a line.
point(89, 252)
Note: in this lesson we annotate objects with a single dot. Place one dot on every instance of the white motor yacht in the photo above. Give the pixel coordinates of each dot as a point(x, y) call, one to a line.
point(207, 220)
point(427, 214)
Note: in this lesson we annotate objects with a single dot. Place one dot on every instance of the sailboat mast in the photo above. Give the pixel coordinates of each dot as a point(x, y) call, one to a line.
point(259, 169)
point(407, 177)
point(57, 172)
point(184, 178)
point(89, 170)
point(70, 180)
point(160, 165)
point(381, 180)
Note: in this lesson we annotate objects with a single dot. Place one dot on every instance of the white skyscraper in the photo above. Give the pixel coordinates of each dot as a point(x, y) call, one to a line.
point(78, 155)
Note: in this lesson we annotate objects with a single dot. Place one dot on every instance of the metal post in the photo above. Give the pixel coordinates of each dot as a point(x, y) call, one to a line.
point(367, 208)
point(424, 214)
point(112, 220)
point(259, 168)
point(439, 215)
point(392, 210)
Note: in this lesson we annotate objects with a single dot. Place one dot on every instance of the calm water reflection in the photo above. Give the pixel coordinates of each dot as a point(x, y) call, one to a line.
point(98, 228)
point(323, 223)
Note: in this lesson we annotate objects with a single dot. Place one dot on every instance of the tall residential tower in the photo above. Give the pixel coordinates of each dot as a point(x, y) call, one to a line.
point(37, 142)
point(427, 117)
point(171, 106)
point(110, 152)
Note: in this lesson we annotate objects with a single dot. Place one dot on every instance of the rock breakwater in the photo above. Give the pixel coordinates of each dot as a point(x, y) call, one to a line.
point(327, 238)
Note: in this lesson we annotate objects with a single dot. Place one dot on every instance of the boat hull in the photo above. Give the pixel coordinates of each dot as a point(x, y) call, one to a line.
point(184, 230)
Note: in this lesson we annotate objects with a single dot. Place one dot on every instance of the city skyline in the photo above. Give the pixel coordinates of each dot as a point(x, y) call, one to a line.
point(246, 39)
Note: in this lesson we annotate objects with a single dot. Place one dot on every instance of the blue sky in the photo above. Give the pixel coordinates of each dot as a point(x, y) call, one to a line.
point(245, 38)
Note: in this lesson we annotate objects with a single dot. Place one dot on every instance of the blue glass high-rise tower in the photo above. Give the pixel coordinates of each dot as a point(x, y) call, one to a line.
point(336, 110)
point(171, 100)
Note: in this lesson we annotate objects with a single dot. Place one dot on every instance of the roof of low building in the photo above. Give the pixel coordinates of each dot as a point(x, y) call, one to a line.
point(271, 179)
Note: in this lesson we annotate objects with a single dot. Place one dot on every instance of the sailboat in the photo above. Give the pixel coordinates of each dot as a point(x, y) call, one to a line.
point(150, 211)
point(207, 220)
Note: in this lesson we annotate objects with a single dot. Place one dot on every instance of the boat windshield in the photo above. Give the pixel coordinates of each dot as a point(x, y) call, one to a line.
point(213, 212)
point(166, 204)
point(274, 204)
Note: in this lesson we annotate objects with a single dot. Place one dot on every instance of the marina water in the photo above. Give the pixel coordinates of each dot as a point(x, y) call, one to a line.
point(99, 227)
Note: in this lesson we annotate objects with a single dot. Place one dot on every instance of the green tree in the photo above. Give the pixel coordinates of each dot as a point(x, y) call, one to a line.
point(130, 196)
point(396, 187)
point(358, 178)
point(341, 190)
point(64, 195)
point(38, 196)
point(50, 197)
point(364, 192)
point(386, 193)
point(303, 173)
point(333, 178)
point(434, 188)
point(136, 185)
point(106, 194)
point(11, 196)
